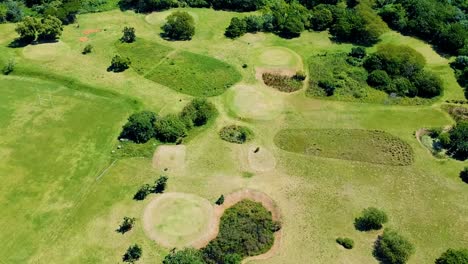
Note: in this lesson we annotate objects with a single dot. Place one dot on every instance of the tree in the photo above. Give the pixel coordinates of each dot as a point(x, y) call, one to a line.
point(160, 184)
point(139, 127)
point(464, 174)
point(185, 256)
point(50, 29)
point(133, 254)
point(428, 84)
point(27, 29)
point(128, 35)
point(141, 194)
point(358, 52)
point(119, 64)
point(356, 27)
point(170, 128)
point(198, 112)
point(180, 25)
point(254, 23)
point(236, 28)
point(220, 200)
point(321, 18)
point(126, 225)
point(459, 141)
point(87, 49)
point(371, 219)
point(238, 5)
point(392, 248)
point(379, 79)
point(453, 256)
point(11, 11)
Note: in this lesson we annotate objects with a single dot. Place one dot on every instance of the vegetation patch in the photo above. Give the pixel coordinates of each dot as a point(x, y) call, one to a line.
point(197, 75)
point(246, 229)
point(448, 142)
point(236, 134)
point(347, 243)
point(459, 113)
point(393, 248)
point(349, 144)
point(284, 83)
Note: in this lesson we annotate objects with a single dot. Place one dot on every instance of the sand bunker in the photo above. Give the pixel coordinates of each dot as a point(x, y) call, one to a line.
point(179, 220)
point(170, 158)
point(252, 102)
point(83, 39)
point(45, 51)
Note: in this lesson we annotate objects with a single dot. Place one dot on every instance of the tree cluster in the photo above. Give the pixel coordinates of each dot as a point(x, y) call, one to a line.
point(32, 29)
point(185, 256)
point(399, 70)
point(157, 5)
point(180, 25)
point(159, 186)
point(14, 10)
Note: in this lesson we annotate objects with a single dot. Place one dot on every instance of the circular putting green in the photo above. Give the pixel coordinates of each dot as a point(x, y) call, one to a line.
point(178, 219)
point(279, 57)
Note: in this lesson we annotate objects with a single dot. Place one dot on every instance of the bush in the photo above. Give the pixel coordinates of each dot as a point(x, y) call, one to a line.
point(444, 139)
point(396, 60)
point(238, 5)
point(139, 127)
point(128, 35)
point(185, 256)
point(358, 52)
point(371, 219)
point(126, 225)
point(236, 134)
point(133, 254)
point(392, 248)
point(254, 23)
point(50, 29)
point(428, 84)
point(27, 30)
point(236, 28)
point(160, 184)
point(321, 18)
point(379, 79)
point(119, 64)
point(144, 191)
point(458, 146)
point(347, 243)
point(461, 62)
point(220, 200)
point(170, 129)
point(404, 87)
point(284, 83)
point(354, 26)
point(9, 67)
point(453, 256)
point(179, 26)
point(198, 112)
point(328, 86)
point(464, 174)
point(87, 49)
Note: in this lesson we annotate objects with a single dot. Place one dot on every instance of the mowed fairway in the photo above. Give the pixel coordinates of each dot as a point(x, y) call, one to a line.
point(62, 203)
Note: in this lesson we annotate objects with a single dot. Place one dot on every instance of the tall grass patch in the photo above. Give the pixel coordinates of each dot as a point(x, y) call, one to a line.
point(348, 144)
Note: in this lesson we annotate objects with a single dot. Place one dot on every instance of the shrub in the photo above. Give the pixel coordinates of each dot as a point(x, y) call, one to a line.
point(392, 248)
point(254, 23)
point(236, 134)
point(379, 79)
point(119, 64)
point(27, 29)
point(50, 29)
point(347, 243)
point(9, 67)
point(220, 200)
point(128, 35)
point(185, 256)
point(87, 49)
point(198, 112)
point(371, 219)
point(321, 18)
point(464, 174)
point(444, 139)
point(453, 256)
point(354, 26)
point(179, 26)
point(328, 86)
point(404, 87)
point(238, 5)
point(236, 28)
point(428, 84)
point(160, 184)
point(170, 129)
point(139, 127)
point(395, 60)
point(144, 191)
point(358, 52)
point(282, 82)
point(458, 146)
point(300, 76)
point(126, 225)
point(461, 62)
point(133, 254)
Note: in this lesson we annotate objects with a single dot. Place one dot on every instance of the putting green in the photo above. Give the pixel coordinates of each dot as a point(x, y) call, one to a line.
point(279, 57)
point(178, 219)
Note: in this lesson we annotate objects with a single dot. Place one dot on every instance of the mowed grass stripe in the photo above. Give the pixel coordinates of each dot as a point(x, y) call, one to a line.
point(371, 146)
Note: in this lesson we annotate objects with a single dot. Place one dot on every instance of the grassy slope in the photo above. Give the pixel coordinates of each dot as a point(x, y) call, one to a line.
point(319, 197)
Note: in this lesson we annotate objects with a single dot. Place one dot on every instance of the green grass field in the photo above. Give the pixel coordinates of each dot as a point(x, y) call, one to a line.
point(64, 193)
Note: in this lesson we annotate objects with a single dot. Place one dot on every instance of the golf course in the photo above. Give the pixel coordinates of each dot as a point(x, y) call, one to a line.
point(260, 147)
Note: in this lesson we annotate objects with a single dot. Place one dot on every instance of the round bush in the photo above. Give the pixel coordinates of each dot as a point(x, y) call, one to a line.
point(371, 219)
point(379, 78)
point(140, 127)
point(392, 248)
point(180, 25)
point(170, 129)
point(453, 256)
point(428, 84)
point(236, 134)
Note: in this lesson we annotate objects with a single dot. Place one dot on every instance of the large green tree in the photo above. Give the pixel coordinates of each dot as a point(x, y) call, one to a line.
point(180, 25)
point(459, 141)
point(140, 127)
point(453, 256)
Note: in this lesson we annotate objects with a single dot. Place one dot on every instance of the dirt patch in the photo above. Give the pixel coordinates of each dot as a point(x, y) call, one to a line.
point(179, 220)
point(91, 31)
point(170, 158)
point(84, 39)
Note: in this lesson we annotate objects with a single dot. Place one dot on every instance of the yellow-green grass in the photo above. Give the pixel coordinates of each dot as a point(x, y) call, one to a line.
point(279, 57)
point(374, 146)
point(194, 74)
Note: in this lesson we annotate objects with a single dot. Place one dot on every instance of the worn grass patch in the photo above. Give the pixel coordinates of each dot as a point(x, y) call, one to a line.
point(348, 144)
point(195, 74)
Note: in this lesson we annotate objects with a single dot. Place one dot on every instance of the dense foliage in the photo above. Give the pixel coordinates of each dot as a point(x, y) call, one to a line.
point(179, 26)
point(31, 29)
point(64, 10)
point(246, 229)
point(129, 35)
point(284, 83)
point(371, 219)
point(460, 65)
point(119, 64)
point(126, 225)
point(347, 243)
point(464, 175)
point(139, 127)
point(198, 112)
point(453, 256)
point(458, 145)
point(236, 134)
point(399, 70)
point(392, 248)
point(185, 256)
point(156, 5)
point(170, 128)
point(133, 254)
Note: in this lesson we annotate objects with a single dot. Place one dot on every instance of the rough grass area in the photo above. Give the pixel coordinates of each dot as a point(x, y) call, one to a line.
point(129, 149)
point(348, 144)
point(195, 74)
point(458, 113)
point(144, 54)
point(283, 83)
point(236, 134)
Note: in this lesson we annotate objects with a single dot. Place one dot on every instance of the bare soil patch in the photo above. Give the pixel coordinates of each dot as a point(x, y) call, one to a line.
point(84, 39)
point(91, 31)
point(170, 158)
